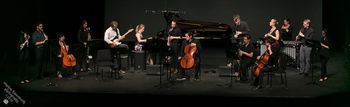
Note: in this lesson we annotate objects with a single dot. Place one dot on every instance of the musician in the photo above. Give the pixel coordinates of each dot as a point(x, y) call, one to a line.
point(305, 34)
point(23, 50)
point(190, 40)
point(246, 53)
point(111, 34)
point(72, 61)
point(273, 32)
point(324, 55)
point(174, 34)
point(273, 50)
point(286, 30)
point(239, 29)
point(39, 39)
point(139, 40)
point(83, 38)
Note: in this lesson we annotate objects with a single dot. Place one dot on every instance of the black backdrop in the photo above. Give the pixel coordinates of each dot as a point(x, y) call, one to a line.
point(65, 16)
point(257, 13)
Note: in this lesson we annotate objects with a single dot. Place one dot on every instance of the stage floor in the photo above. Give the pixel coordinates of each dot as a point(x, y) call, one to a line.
point(210, 85)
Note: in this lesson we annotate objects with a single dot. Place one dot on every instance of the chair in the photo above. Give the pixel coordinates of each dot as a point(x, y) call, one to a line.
point(279, 68)
point(122, 53)
point(104, 59)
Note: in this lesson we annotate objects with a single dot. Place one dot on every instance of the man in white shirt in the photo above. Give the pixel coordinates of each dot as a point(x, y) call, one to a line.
point(111, 34)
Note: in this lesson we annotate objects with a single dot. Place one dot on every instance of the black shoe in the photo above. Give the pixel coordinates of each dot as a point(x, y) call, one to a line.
point(301, 73)
point(306, 74)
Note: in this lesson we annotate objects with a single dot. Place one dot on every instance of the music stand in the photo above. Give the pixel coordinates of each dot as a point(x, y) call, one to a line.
point(236, 46)
point(314, 44)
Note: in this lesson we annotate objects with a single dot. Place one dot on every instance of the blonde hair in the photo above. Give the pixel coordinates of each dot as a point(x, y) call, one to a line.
point(235, 17)
point(308, 21)
point(139, 27)
point(275, 21)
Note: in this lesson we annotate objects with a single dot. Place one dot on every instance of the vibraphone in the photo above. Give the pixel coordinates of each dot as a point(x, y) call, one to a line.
point(290, 49)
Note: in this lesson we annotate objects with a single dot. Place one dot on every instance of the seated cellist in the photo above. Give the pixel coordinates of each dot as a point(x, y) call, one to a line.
point(68, 60)
point(191, 46)
point(272, 52)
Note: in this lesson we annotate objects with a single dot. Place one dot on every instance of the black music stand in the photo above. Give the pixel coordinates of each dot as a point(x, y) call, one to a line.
point(236, 46)
point(314, 44)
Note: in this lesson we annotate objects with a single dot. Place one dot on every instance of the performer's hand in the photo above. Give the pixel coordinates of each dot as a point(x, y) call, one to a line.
point(257, 58)
point(301, 34)
point(240, 53)
point(193, 44)
point(237, 33)
point(60, 56)
point(179, 58)
point(236, 36)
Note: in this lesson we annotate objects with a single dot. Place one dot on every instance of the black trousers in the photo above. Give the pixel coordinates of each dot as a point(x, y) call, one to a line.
point(25, 74)
point(197, 68)
point(324, 60)
point(174, 53)
point(259, 79)
point(244, 69)
point(40, 62)
point(121, 49)
point(82, 57)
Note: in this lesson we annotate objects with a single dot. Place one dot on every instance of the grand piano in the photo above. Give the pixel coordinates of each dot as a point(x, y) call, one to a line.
point(211, 33)
point(203, 29)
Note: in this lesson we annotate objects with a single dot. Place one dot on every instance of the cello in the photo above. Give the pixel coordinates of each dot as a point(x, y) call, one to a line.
point(261, 63)
point(68, 59)
point(187, 61)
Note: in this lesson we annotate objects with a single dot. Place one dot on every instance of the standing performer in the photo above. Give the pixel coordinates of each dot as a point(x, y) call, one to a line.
point(324, 55)
point(23, 50)
point(39, 39)
point(305, 34)
point(174, 34)
point(83, 37)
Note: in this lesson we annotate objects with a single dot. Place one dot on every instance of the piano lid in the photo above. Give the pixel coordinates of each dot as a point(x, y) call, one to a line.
point(206, 30)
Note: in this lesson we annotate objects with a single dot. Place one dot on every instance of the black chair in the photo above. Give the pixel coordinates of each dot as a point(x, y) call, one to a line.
point(279, 68)
point(104, 59)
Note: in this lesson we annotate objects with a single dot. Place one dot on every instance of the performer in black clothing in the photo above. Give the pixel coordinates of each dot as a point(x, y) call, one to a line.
point(273, 49)
point(324, 55)
point(305, 34)
point(273, 32)
point(286, 30)
point(239, 28)
point(174, 34)
point(83, 38)
point(246, 53)
point(39, 39)
point(190, 40)
point(23, 49)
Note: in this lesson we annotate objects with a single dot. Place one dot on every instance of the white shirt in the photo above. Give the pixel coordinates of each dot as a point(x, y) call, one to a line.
point(111, 34)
